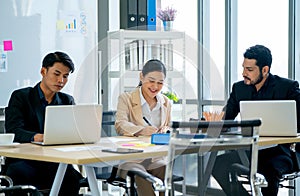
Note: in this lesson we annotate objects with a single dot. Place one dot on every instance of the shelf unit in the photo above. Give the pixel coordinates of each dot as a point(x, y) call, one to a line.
point(121, 79)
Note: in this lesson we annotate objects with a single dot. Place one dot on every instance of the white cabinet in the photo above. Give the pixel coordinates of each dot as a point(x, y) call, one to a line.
point(128, 50)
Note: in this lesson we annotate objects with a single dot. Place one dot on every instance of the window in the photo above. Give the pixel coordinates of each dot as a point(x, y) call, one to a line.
point(264, 22)
point(214, 49)
point(297, 41)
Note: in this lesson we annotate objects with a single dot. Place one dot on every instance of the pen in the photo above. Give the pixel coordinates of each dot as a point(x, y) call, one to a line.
point(146, 120)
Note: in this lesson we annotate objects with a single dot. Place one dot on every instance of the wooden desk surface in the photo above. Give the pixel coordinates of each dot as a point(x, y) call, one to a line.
point(91, 153)
point(82, 153)
point(265, 141)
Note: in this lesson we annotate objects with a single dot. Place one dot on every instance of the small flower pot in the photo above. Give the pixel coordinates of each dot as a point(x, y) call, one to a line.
point(168, 25)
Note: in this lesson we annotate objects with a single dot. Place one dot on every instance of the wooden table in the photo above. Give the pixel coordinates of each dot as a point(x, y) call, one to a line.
point(90, 155)
point(265, 141)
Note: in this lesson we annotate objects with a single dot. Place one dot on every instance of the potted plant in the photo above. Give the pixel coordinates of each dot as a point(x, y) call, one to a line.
point(172, 96)
point(167, 15)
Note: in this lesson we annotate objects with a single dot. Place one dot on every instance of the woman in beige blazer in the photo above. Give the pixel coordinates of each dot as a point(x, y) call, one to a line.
point(142, 112)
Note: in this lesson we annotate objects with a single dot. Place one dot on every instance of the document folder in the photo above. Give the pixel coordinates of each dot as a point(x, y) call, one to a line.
point(151, 15)
point(132, 14)
point(142, 14)
point(128, 14)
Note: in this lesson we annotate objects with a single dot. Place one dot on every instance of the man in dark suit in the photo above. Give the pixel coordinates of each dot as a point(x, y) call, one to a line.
point(259, 84)
point(25, 115)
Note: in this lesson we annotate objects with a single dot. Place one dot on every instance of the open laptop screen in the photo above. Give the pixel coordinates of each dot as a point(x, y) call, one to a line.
point(71, 124)
point(279, 117)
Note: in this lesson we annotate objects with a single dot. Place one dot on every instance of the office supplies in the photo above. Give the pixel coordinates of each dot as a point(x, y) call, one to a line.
point(128, 14)
point(279, 117)
point(122, 150)
point(160, 138)
point(163, 138)
point(72, 124)
point(142, 14)
point(151, 15)
point(147, 121)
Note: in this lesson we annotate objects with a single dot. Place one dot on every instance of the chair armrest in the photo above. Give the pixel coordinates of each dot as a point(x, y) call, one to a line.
point(7, 179)
point(157, 184)
point(20, 189)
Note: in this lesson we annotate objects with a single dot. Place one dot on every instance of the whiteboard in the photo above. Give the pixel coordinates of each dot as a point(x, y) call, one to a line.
point(36, 28)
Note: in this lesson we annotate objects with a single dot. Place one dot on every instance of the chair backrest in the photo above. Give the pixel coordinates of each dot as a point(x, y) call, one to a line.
point(2, 126)
point(213, 141)
point(108, 123)
point(2, 121)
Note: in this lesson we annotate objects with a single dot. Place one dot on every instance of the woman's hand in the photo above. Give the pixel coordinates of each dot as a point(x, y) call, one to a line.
point(163, 129)
point(147, 131)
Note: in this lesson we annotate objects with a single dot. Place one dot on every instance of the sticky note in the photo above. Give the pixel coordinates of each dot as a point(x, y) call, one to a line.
point(7, 45)
point(60, 25)
point(128, 144)
point(138, 144)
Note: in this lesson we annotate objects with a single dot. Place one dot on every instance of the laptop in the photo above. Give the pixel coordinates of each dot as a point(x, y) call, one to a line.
point(72, 124)
point(279, 117)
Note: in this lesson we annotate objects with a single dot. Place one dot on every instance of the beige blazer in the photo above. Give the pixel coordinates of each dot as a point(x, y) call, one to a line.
point(129, 116)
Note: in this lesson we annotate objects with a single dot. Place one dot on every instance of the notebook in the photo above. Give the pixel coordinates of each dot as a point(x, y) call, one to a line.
point(279, 117)
point(72, 124)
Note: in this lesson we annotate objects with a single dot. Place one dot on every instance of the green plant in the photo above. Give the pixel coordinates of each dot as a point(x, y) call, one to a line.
point(172, 96)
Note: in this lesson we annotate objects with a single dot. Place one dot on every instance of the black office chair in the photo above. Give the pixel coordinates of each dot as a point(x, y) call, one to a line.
point(109, 174)
point(108, 122)
point(190, 143)
point(291, 177)
point(129, 183)
point(6, 183)
point(7, 187)
point(10, 189)
point(240, 174)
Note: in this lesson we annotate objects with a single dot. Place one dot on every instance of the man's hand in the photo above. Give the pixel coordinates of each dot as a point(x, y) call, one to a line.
point(38, 137)
point(213, 116)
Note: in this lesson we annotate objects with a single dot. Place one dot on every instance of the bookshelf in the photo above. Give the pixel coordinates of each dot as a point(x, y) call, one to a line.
point(128, 50)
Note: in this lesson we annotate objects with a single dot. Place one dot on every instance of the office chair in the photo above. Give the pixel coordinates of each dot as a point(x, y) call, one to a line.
point(109, 174)
point(128, 184)
point(16, 189)
point(180, 144)
point(7, 187)
point(108, 123)
point(193, 143)
point(291, 177)
point(240, 174)
point(6, 183)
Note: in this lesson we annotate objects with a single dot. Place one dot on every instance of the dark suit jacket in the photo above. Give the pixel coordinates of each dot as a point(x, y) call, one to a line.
point(25, 113)
point(275, 88)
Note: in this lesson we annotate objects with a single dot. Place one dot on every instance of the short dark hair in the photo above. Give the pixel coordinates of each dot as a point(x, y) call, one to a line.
point(153, 65)
point(60, 57)
point(261, 54)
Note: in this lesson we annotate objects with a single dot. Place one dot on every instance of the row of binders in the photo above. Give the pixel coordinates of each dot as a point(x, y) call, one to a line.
point(138, 14)
point(138, 52)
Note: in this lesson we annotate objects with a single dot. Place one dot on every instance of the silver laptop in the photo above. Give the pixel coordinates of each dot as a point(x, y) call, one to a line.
point(72, 124)
point(279, 117)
